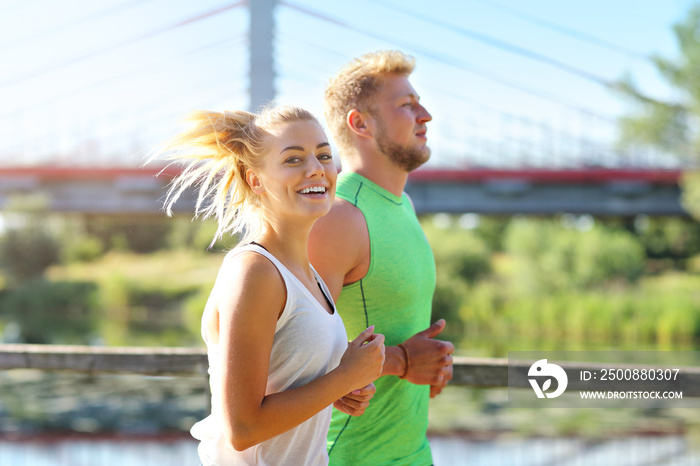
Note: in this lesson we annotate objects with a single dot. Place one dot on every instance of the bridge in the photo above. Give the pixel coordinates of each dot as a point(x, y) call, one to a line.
point(537, 191)
point(559, 156)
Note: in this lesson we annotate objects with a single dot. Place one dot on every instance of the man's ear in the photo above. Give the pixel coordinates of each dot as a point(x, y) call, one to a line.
point(358, 121)
point(254, 182)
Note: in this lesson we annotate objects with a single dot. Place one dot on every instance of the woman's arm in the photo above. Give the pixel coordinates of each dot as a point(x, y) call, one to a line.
point(248, 314)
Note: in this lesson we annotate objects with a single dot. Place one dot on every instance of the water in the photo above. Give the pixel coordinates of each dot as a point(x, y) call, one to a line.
point(140, 409)
point(99, 452)
point(632, 451)
point(447, 451)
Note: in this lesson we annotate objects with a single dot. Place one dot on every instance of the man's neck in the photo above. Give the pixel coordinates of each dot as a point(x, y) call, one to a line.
point(380, 171)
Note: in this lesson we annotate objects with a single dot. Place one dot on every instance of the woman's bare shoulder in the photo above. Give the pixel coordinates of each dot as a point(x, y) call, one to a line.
point(249, 277)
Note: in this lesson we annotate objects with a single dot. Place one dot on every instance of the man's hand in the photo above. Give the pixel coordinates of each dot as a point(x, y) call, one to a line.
point(436, 389)
point(430, 359)
point(355, 402)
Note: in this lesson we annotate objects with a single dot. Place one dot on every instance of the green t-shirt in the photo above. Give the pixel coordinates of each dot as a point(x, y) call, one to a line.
point(396, 297)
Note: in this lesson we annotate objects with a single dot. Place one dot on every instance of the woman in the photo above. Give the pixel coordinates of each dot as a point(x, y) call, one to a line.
point(278, 352)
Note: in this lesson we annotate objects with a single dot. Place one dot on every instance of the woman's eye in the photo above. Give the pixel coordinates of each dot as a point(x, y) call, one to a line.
point(293, 160)
point(325, 157)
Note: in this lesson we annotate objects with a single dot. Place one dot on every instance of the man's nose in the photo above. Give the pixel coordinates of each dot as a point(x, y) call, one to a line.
point(423, 115)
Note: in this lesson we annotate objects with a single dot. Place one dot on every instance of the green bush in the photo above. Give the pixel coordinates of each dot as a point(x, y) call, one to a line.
point(82, 248)
point(492, 230)
point(550, 257)
point(145, 313)
point(26, 253)
point(53, 312)
point(528, 241)
point(602, 256)
point(196, 234)
point(459, 253)
point(661, 312)
point(690, 198)
point(136, 234)
point(462, 258)
point(672, 239)
point(447, 300)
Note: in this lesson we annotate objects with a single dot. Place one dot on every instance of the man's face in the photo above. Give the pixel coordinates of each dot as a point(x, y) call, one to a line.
point(400, 123)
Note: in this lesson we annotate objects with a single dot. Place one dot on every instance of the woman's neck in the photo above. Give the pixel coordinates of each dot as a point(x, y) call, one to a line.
point(288, 245)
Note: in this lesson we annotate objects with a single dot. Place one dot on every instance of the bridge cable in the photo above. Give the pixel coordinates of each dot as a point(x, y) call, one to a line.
point(235, 40)
point(497, 43)
point(567, 31)
point(452, 61)
point(56, 66)
point(492, 41)
point(72, 23)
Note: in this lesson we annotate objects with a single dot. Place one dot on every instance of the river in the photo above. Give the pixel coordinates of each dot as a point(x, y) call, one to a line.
point(447, 451)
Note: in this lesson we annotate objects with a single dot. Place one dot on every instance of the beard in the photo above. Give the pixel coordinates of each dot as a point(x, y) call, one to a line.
point(408, 158)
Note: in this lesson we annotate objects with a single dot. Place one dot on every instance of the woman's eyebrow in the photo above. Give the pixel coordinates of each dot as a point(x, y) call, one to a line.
point(292, 148)
point(323, 144)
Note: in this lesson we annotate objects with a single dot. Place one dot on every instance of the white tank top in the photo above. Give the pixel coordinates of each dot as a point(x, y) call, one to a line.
point(309, 342)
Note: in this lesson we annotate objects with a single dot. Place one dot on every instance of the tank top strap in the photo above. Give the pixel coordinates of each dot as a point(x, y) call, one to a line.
point(264, 252)
point(290, 280)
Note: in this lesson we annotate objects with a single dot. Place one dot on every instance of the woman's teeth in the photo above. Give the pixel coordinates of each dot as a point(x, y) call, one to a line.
point(315, 190)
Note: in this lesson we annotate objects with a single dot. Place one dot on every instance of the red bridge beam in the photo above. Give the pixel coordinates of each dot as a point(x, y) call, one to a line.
point(572, 175)
point(597, 191)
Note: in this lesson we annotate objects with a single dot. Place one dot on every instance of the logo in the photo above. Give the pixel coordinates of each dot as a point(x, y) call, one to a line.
point(542, 368)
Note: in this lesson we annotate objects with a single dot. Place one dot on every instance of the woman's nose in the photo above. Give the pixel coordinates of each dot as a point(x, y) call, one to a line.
point(315, 167)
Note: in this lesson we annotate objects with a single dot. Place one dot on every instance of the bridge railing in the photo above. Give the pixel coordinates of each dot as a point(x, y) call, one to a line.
point(151, 361)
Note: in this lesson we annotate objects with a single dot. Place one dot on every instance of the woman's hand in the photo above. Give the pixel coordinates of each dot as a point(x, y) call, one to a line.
point(364, 358)
point(356, 402)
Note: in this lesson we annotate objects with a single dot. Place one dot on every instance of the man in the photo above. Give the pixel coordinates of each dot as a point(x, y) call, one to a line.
point(377, 263)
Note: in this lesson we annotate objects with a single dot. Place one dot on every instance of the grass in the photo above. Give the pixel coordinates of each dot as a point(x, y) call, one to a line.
point(177, 267)
point(147, 300)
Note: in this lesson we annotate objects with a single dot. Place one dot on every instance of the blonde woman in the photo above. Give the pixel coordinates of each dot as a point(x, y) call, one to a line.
point(278, 352)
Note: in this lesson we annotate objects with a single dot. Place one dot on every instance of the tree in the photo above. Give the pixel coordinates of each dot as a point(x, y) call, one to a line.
point(673, 127)
point(691, 192)
point(27, 252)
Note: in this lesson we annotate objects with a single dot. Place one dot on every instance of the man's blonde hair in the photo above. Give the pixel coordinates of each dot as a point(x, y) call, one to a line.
point(354, 86)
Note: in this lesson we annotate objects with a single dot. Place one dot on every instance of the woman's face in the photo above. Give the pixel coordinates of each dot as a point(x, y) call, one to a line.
point(297, 176)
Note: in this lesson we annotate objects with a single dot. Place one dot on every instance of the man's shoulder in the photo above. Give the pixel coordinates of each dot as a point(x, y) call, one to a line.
point(339, 245)
point(343, 222)
point(348, 185)
point(343, 214)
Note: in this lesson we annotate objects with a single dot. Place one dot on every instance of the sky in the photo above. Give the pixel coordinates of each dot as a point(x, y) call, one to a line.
point(508, 82)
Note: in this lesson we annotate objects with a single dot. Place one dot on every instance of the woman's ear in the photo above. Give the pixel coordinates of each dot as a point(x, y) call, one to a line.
point(358, 123)
point(254, 182)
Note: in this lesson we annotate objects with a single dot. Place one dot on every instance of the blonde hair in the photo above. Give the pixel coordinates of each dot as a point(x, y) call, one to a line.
point(217, 149)
point(354, 86)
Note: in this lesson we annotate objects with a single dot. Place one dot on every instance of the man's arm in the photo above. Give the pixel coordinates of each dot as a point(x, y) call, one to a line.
point(339, 250)
point(438, 369)
point(339, 246)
